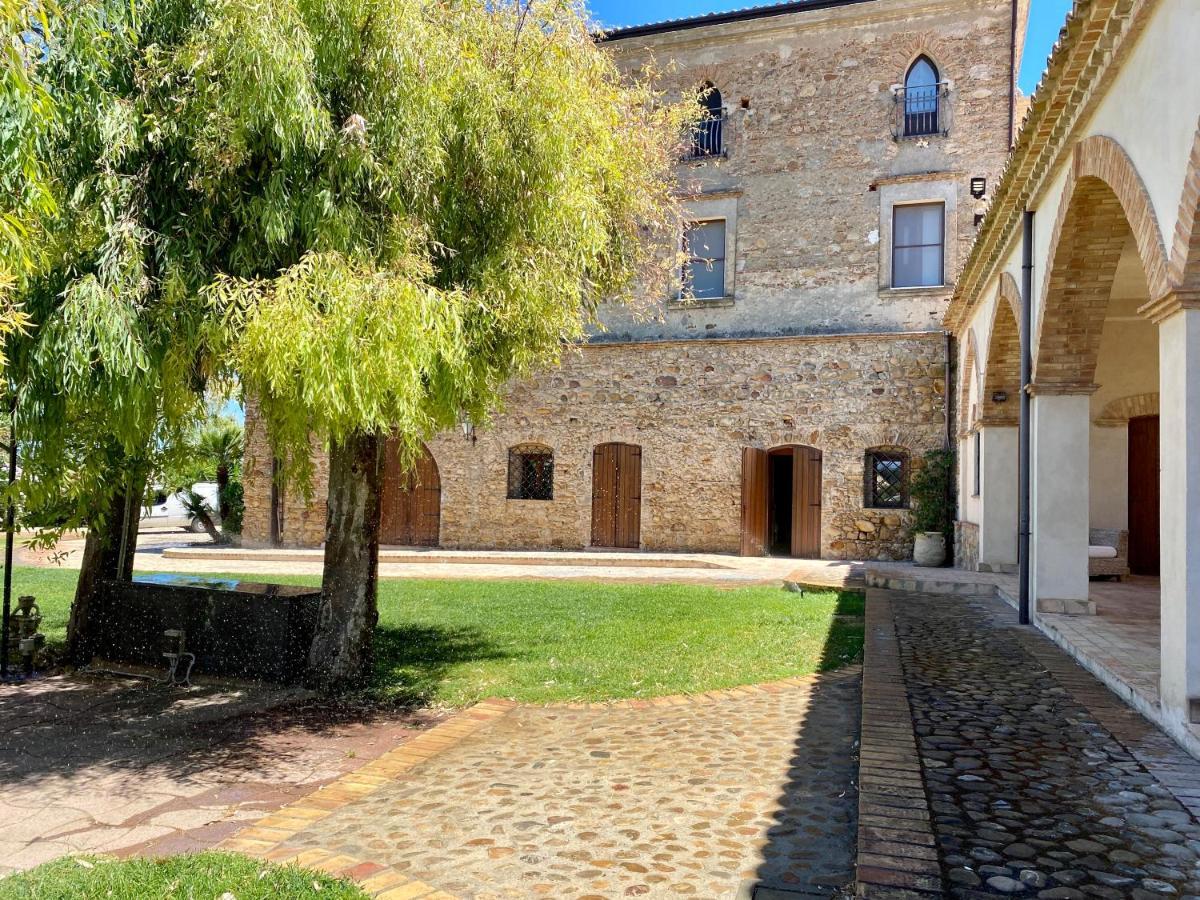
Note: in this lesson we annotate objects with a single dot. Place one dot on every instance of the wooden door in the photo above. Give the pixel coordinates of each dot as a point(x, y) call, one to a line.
point(806, 502)
point(1143, 495)
point(755, 481)
point(617, 496)
point(412, 501)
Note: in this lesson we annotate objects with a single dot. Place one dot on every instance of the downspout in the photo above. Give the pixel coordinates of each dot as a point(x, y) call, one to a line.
point(947, 380)
point(1023, 432)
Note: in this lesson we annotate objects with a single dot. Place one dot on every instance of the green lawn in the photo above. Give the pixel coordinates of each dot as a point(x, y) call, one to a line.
point(203, 876)
point(455, 642)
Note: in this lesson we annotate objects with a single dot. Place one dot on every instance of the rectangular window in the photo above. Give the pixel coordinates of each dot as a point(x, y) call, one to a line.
point(887, 480)
point(704, 271)
point(530, 474)
point(978, 474)
point(918, 233)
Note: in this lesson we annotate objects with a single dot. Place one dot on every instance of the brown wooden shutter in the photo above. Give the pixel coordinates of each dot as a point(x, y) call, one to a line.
point(628, 531)
point(755, 475)
point(806, 502)
point(604, 477)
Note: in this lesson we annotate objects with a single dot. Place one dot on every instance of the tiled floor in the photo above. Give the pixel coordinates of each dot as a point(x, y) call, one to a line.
point(1123, 636)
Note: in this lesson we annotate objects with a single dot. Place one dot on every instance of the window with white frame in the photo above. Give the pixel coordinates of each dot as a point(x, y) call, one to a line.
point(704, 268)
point(918, 245)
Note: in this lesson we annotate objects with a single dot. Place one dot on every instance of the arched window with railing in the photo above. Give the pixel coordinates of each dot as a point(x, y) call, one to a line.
point(921, 99)
point(708, 133)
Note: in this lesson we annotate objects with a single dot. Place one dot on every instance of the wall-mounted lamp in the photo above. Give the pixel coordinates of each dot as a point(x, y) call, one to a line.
point(468, 427)
point(999, 396)
point(978, 187)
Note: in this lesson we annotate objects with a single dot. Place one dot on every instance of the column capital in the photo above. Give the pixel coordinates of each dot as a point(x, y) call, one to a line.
point(1162, 308)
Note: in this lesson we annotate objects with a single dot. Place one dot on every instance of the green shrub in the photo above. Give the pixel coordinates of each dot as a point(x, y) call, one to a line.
point(233, 498)
point(932, 494)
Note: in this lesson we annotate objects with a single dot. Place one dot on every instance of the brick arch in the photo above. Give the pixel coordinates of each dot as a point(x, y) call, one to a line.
point(1184, 266)
point(1002, 365)
point(968, 374)
point(918, 45)
point(1117, 413)
point(1103, 204)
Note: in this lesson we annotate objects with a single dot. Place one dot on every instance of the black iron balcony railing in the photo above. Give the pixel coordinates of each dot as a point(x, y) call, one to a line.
point(707, 138)
point(921, 110)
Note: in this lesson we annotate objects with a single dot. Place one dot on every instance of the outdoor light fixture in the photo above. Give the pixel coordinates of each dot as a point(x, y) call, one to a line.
point(999, 396)
point(468, 427)
point(978, 187)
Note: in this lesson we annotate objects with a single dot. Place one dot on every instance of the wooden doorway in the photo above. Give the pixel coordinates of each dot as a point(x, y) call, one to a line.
point(411, 502)
point(617, 496)
point(1143, 495)
point(781, 502)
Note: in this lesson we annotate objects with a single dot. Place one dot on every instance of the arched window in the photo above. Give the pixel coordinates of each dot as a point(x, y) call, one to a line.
point(886, 479)
point(530, 472)
point(707, 135)
point(922, 93)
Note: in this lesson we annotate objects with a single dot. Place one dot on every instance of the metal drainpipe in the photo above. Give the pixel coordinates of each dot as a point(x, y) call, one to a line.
point(1023, 430)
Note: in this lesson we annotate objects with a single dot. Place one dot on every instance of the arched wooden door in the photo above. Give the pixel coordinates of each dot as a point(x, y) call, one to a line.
point(411, 502)
point(617, 496)
point(781, 502)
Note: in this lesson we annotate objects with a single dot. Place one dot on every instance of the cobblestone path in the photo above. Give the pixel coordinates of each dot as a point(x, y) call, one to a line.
point(695, 799)
point(1040, 782)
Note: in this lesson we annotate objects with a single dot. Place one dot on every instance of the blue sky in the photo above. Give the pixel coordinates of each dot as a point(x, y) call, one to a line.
point(1045, 18)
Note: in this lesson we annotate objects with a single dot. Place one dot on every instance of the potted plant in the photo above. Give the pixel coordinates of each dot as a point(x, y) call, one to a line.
point(933, 508)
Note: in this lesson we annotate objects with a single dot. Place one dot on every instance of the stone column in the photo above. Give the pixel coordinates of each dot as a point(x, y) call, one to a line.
point(998, 496)
point(1058, 548)
point(1179, 455)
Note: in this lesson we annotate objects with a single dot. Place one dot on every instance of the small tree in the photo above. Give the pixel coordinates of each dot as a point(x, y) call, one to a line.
point(220, 451)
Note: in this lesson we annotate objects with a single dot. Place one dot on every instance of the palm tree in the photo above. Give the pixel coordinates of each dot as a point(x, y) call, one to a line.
point(220, 446)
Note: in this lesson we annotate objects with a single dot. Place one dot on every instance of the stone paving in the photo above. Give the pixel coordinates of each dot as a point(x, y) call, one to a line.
point(1040, 782)
point(740, 790)
point(123, 765)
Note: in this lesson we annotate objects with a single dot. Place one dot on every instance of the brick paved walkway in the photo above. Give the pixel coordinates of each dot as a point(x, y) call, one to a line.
point(701, 796)
point(1037, 780)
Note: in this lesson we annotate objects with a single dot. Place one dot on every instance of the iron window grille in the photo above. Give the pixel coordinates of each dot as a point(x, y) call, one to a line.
point(887, 480)
point(708, 136)
point(530, 473)
point(921, 111)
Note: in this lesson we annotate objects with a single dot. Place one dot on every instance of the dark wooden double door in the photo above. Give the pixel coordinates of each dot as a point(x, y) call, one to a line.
point(1143, 495)
point(411, 502)
point(781, 502)
point(617, 496)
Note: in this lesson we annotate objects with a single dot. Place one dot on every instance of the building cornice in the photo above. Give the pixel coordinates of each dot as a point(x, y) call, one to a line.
point(602, 343)
point(775, 21)
point(1089, 51)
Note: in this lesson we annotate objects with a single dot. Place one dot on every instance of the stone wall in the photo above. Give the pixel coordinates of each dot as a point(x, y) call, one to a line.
point(692, 406)
point(966, 546)
point(812, 164)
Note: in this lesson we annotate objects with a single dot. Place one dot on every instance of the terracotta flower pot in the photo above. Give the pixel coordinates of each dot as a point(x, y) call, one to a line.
point(929, 549)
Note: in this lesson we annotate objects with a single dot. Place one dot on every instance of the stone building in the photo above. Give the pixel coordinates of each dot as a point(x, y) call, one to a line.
point(831, 193)
point(1098, 206)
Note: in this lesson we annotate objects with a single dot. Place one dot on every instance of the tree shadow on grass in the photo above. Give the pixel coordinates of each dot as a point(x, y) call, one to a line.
point(412, 661)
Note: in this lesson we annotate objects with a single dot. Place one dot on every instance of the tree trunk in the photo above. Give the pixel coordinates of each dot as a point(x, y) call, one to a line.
point(107, 556)
point(222, 485)
point(340, 656)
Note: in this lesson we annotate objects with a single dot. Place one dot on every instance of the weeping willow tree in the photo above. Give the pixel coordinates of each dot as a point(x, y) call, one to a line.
point(371, 213)
point(464, 184)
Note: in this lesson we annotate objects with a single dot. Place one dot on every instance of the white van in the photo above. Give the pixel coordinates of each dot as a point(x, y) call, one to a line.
point(170, 510)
